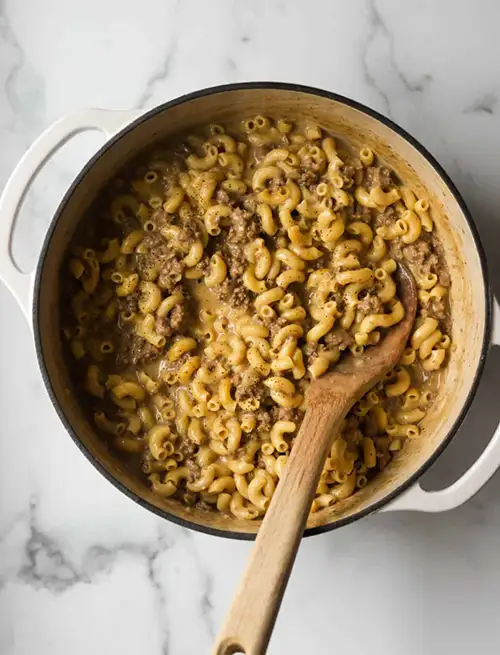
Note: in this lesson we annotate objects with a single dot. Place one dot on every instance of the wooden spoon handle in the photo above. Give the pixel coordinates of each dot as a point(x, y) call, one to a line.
point(250, 621)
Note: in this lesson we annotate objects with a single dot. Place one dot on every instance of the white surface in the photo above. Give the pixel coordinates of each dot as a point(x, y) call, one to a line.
point(82, 569)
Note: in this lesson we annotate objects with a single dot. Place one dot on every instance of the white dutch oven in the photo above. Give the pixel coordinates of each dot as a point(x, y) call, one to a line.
point(397, 487)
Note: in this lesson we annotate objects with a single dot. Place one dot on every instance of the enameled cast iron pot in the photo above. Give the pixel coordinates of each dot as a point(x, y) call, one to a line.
point(128, 133)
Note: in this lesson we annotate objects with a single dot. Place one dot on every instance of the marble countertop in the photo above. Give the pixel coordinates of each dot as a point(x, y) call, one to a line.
point(82, 568)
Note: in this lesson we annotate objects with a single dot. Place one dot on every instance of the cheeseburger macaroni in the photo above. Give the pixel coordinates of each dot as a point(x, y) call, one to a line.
point(218, 277)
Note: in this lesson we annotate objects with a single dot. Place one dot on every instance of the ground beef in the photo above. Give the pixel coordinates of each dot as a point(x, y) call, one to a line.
point(264, 421)
point(340, 338)
point(313, 349)
point(240, 298)
point(377, 176)
point(443, 275)
point(234, 293)
point(165, 258)
point(268, 321)
point(420, 255)
point(222, 197)
point(307, 177)
point(172, 323)
point(133, 349)
point(204, 506)
point(435, 308)
point(194, 469)
point(153, 240)
point(387, 217)
point(370, 304)
point(275, 183)
point(249, 386)
point(359, 213)
point(128, 304)
point(170, 273)
point(417, 252)
point(236, 261)
point(396, 249)
point(224, 290)
point(161, 218)
point(260, 464)
point(191, 229)
point(243, 228)
point(211, 364)
point(204, 265)
point(348, 172)
point(186, 447)
point(423, 257)
point(163, 327)
point(442, 270)
point(177, 316)
point(288, 414)
point(250, 203)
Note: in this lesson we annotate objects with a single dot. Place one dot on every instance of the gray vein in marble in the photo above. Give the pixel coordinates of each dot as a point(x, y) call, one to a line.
point(245, 19)
point(375, 25)
point(230, 65)
point(462, 176)
point(24, 89)
point(15, 520)
point(45, 564)
point(422, 82)
point(162, 73)
point(99, 559)
point(7, 35)
point(160, 595)
point(484, 105)
point(378, 27)
point(159, 76)
point(206, 605)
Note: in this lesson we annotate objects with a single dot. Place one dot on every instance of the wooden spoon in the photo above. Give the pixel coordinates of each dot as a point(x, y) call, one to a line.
point(250, 621)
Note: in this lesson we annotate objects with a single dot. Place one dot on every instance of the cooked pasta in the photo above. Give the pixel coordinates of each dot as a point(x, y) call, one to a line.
point(223, 275)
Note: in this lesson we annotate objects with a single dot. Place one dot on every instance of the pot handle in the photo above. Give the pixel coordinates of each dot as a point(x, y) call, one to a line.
point(417, 499)
point(19, 283)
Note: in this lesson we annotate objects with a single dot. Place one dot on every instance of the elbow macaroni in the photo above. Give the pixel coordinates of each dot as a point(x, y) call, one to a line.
point(220, 287)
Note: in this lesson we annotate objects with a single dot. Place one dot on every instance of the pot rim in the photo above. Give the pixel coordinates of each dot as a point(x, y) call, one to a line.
point(285, 86)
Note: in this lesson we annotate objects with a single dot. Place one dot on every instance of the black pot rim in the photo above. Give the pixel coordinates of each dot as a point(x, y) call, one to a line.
point(315, 92)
